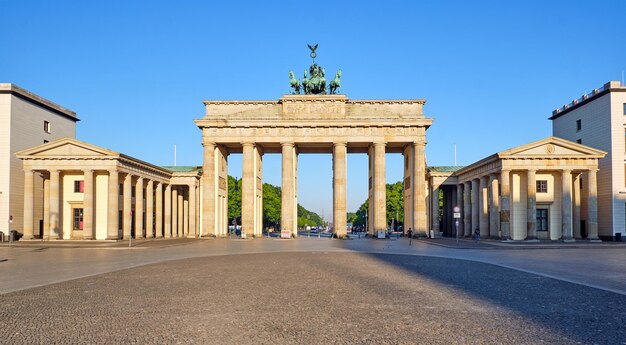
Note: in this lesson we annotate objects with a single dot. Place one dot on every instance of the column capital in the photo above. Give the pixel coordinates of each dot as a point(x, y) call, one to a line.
point(88, 170)
point(379, 143)
point(28, 170)
point(566, 171)
point(287, 144)
point(247, 143)
point(340, 143)
point(532, 170)
point(418, 143)
point(206, 143)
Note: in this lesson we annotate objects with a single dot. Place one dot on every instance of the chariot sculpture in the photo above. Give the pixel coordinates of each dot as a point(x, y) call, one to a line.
point(314, 81)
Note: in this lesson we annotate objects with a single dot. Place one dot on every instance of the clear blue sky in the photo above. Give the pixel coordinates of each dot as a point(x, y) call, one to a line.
point(136, 72)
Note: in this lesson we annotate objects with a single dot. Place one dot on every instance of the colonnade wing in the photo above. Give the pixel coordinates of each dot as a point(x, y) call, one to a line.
point(89, 192)
point(533, 191)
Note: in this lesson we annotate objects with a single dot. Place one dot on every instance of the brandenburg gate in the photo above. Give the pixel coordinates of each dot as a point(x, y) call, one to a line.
point(299, 124)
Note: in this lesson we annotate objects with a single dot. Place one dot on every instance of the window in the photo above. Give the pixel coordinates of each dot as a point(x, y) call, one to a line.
point(77, 217)
point(46, 126)
point(542, 219)
point(79, 186)
point(542, 186)
point(45, 141)
point(579, 125)
point(580, 141)
point(624, 108)
point(121, 189)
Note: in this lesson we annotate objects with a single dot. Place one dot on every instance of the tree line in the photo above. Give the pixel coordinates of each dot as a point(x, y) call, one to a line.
point(271, 206)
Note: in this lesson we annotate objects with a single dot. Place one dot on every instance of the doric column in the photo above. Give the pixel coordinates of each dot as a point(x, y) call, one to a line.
point(192, 211)
point(592, 205)
point(339, 189)
point(247, 190)
point(380, 191)
point(566, 213)
point(149, 209)
point(168, 211)
point(158, 217)
point(576, 205)
point(419, 190)
point(483, 217)
point(288, 189)
point(113, 206)
point(185, 196)
point(208, 190)
point(505, 208)
point(434, 217)
point(181, 211)
point(531, 211)
point(174, 212)
point(28, 204)
point(139, 208)
point(46, 208)
point(475, 205)
point(55, 230)
point(494, 215)
point(459, 204)
point(467, 208)
point(88, 228)
point(127, 206)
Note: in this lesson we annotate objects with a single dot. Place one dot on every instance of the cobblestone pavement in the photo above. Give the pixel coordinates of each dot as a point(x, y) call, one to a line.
point(314, 298)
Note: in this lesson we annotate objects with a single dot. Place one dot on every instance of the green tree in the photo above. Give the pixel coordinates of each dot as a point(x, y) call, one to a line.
point(351, 217)
point(234, 200)
point(271, 204)
point(395, 202)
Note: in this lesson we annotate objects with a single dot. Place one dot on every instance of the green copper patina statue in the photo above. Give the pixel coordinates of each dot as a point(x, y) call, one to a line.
point(314, 82)
point(295, 84)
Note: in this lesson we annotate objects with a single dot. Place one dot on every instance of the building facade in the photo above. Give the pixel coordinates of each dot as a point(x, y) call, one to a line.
point(598, 120)
point(90, 192)
point(544, 190)
point(26, 120)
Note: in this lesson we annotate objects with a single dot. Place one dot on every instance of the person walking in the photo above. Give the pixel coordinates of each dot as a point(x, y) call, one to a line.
point(477, 235)
point(410, 234)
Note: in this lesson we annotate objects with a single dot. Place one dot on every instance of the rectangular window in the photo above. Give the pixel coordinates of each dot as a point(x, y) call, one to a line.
point(121, 189)
point(46, 127)
point(79, 186)
point(579, 125)
point(542, 186)
point(624, 108)
point(542, 219)
point(77, 217)
point(132, 191)
point(580, 141)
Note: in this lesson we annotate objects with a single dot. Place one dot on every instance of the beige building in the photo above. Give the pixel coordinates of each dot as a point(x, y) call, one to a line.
point(26, 120)
point(546, 190)
point(598, 120)
point(91, 192)
point(300, 124)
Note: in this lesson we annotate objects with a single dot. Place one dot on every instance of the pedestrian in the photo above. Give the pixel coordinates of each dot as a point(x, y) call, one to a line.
point(410, 234)
point(477, 234)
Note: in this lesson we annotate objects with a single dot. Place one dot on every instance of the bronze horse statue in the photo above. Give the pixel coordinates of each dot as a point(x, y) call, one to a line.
point(335, 83)
point(294, 83)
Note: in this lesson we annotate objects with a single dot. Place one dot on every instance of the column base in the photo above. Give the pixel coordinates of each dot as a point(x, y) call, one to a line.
point(532, 240)
point(569, 240)
point(594, 240)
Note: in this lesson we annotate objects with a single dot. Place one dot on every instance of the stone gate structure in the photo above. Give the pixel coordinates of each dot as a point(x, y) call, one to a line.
point(299, 124)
